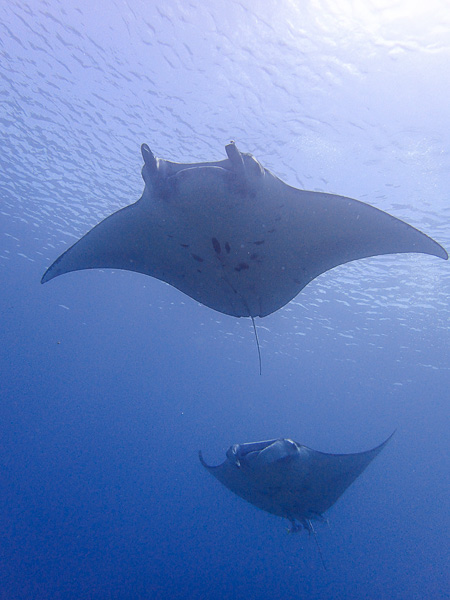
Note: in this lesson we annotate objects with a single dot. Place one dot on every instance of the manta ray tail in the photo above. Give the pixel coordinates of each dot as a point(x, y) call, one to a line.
point(257, 344)
point(313, 531)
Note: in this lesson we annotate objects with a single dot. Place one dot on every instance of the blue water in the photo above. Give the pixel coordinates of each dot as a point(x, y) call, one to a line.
point(111, 381)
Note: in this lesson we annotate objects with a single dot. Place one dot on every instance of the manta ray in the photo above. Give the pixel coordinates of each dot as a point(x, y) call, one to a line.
point(289, 480)
point(234, 237)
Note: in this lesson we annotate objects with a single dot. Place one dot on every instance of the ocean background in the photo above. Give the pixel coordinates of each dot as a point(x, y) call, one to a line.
point(112, 381)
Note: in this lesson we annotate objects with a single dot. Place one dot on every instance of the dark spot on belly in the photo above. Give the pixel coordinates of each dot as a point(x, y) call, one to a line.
point(253, 256)
point(197, 257)
point(271, 230)
point(184, 245)
point(241, 267)
point(227, 247)
point(216, 245)
point(259, 242)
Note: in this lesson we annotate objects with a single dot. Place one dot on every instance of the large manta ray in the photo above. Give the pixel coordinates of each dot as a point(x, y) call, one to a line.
point(234, 237)
point(287, 479)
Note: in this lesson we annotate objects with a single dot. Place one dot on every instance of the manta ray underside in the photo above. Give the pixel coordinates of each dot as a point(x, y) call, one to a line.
point(234, 237)
point(289, 480)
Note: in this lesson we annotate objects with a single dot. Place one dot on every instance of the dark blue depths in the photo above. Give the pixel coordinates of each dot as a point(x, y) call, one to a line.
point(103, 411)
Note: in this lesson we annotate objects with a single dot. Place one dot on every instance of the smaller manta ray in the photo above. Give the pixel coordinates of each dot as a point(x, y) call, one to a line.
point(289, 480)
point(234, 237)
